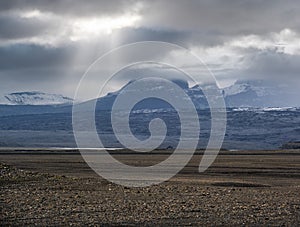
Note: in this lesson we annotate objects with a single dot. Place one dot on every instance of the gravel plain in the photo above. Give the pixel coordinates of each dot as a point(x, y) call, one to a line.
point(61, 190)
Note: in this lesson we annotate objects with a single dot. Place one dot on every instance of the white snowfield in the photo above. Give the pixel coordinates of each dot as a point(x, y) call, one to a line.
point(240, 87)
point(35, 98)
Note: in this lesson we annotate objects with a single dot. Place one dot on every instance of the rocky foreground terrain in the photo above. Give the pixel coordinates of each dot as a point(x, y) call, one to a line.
point(47, 198)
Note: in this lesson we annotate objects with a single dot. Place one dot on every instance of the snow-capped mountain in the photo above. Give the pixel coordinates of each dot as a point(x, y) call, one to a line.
point(255, 93)
point(251, 93)
point(36, 98)
point(245, 86)
point(259, 93)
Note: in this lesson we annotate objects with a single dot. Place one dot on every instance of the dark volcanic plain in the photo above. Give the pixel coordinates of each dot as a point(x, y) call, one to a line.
point(54, 188)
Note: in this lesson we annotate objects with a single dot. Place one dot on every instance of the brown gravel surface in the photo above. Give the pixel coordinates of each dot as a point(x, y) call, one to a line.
point(39, 198)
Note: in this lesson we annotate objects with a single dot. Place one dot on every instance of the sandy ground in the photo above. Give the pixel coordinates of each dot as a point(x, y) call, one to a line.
point(240, 188)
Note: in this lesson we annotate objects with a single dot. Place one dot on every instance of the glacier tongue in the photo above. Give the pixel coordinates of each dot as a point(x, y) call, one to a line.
point(36, 98)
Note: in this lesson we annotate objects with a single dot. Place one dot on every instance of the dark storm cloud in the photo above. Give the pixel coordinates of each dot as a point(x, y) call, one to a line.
point(143, 34)
point(76, 8)
point(15, 27)
point(193, 22)
point(227, 17)
point(183, 38)
point(20, 56)
point(27, 76)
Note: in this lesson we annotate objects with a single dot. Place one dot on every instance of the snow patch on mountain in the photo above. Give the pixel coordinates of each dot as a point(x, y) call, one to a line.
point(36, 98)
point(260, 93)
point(259, 87)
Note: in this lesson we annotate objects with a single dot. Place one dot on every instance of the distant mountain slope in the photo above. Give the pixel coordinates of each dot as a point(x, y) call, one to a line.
point(36, 98)
point(255, 93)
point(259, 93)
point(196, 94)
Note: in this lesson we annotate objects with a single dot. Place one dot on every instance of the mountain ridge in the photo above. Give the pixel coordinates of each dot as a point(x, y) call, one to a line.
point(247, 93)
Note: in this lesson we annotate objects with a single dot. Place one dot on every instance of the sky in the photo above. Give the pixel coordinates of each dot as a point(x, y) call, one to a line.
point(48, 45)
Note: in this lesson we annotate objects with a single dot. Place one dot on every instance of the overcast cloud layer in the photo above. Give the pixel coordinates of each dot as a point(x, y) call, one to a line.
point(47, 45)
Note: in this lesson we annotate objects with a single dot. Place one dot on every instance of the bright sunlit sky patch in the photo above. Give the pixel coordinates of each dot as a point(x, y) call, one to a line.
point(47, 45)
point(85, 28)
